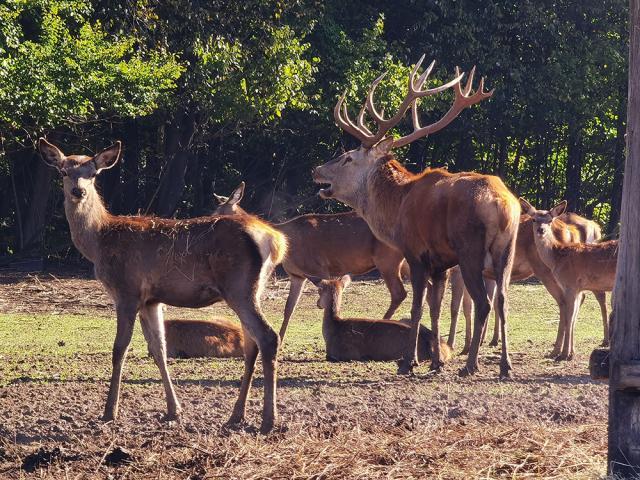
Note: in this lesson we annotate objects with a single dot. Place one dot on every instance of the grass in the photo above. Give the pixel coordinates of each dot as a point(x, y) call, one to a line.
point(347, 420)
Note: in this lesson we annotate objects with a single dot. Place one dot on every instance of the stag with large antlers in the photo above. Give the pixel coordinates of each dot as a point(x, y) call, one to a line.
point(435, 218)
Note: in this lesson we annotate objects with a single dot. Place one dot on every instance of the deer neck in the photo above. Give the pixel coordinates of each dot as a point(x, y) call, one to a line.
point(86, 220)
point(331, 315)
point(545, 245)
point(381, 198)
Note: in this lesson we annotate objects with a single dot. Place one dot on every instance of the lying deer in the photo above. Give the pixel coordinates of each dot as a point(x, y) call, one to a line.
point(144, 262)
point(568, 227)
point(327, 246)
point(365, 339)
point(576, 267)
point(435, 218)
point(203, 338)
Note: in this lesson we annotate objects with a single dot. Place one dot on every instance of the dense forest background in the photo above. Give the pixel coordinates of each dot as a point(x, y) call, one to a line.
point(207, 93)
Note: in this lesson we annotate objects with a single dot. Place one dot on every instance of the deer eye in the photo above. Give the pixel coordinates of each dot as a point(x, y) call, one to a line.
point(63, 173)
point(346, 160)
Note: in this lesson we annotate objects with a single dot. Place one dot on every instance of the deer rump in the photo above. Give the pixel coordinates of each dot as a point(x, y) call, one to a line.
point(203, 338)
point(377, 340)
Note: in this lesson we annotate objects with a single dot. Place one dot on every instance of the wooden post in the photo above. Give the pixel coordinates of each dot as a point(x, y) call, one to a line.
point(624, 386)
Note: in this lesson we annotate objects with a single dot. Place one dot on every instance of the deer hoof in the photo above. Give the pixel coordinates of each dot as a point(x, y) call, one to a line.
point(465, 351)
point(493, 342)
point(436, 366)
point(605, 343)
point(405, 368)
point(467, 371)
point(564, 357)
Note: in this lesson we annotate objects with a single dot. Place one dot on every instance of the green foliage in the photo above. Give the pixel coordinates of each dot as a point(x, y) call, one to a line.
point(58, 68)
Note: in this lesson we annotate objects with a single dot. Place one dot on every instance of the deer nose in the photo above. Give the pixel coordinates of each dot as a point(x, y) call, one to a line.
point(78, 192)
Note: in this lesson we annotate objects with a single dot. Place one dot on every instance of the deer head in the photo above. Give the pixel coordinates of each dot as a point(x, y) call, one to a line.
point(79, 171)
point(346, 173)
point(230, 205)
point(330, 291)
point(542, 218)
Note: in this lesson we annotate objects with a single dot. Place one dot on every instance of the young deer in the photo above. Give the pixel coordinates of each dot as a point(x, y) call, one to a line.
point(435, 218)
point(568, 227)
point(364, 339)
point(576, 267)
point(218, 337)
point(144, 262)
point(327, 246)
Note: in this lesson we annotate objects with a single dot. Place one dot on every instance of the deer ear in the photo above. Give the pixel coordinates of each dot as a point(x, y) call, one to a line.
point(315, 280)
point(108, 157)
point(50, 154)
point(221, 199)
point(559, 209)
point(345, 280)
point(237, 194)
point(384, 146)
point(526, 207)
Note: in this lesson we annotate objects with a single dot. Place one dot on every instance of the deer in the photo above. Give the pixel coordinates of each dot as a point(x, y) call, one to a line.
point(568, 227)
point(437, 219)
point(145, 262)
point(217, 337)
point(364, 339)
point(576, 267)
point(328, 246)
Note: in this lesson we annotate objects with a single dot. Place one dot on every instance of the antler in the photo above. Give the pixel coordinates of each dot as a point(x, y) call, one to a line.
point(368, 139)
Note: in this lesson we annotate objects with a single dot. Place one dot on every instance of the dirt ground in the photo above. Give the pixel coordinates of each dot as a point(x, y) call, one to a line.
point(338, 420)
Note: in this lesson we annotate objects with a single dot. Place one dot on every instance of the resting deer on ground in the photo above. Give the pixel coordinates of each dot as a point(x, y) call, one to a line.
point(365, 339)
point(144, 262)
point(576, 267)
point(568, 227)
point(435, 218)
point(218, 337)
point(327, 246)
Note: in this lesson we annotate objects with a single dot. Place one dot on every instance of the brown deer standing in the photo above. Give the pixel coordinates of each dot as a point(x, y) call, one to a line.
point(435, 218)
point(328, 246)
point(568, 227)
point(144, 262)
point(576, 267)
point(365, 339)
point(217, 337)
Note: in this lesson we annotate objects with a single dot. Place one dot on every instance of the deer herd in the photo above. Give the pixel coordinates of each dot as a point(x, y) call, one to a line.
point(429, 226)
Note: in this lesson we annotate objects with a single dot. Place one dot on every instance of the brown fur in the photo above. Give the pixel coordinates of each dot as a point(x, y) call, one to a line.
point(436, 219)
point(367, 339)
point(203, 338)
point(144, 262)
point(340, 243)
point(567, 228)
point(575, 267)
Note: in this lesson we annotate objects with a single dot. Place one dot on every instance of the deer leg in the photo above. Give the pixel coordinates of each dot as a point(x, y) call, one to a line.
point(601, 297)
point(250, 355)
point(126, 313)
point(457, 292)
point(268, 341)
point(573, 300)
point(419, 286)
point(471, 267)
point(296, 285)
point(491, 286)
point(434, 297)
point(153, 330)
point(390, 272)
point(467, 308)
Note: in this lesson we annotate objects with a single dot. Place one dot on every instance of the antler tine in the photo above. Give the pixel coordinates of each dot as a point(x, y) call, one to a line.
point(423, 78)
point(341, 116)
point(463, 99)
point(369, 103)
point(361, 125)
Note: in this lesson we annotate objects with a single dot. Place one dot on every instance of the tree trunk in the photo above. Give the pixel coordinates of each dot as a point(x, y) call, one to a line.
point(178, 137)
point(34, 216)
point(574, 168)
point(618, 158)
point(624, 384)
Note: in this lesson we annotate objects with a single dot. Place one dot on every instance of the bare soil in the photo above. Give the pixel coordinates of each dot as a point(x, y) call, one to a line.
point(353, 420)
